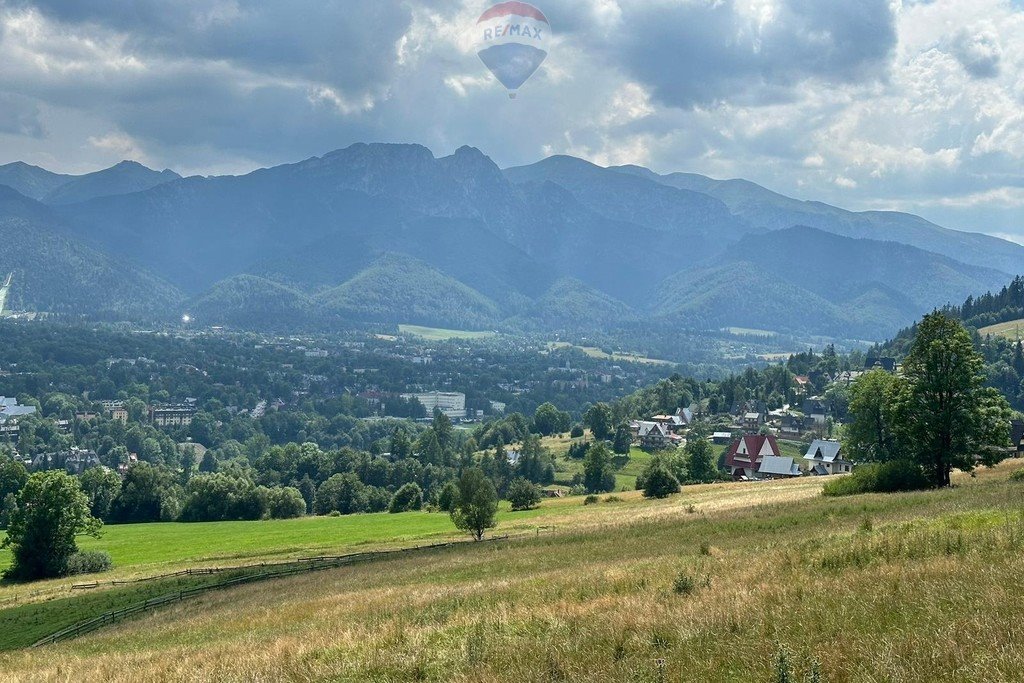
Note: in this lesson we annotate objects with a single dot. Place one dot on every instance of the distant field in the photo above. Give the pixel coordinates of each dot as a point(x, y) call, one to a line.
point(709, 585)
point(626, 470)
point(595, 352)
point(438, 334)
point(747, 332)
point(1013, 330)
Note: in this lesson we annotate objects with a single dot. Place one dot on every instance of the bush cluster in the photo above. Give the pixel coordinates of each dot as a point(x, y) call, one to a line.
point(886, 477)
point(89, 562)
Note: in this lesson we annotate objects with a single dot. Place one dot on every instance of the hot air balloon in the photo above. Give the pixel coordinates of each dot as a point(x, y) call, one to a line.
point(514, 38)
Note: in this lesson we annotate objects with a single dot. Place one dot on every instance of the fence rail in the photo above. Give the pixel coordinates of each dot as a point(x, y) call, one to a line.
point(273, 570)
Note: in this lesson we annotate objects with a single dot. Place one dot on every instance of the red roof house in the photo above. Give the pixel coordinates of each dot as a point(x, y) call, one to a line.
point(758, 457)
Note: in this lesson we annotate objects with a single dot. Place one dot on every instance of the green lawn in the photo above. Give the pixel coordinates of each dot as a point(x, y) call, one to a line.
point(149, 548)
point(438, 334)
point(625, 474)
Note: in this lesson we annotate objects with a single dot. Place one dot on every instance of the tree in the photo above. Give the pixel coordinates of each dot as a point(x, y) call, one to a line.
point(285, 502)
point(149, 493)
point(623, 440)
point(52, 511)
point(702, 464)
point(598, 475)
point(222, 497)
point(401, 444)
point(523, 494)
point(407, 499)
point(659, 482)
point(13, 476)
point(101, 486)
point(548, 420)
point(448, 496)
point(869, 435)
point(477, 504)
point(943, 415)
point(599, 418)
point(343, 493)
point(208, 464)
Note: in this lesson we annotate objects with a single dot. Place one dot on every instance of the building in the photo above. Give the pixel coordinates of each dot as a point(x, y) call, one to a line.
point(759, 457)
point(1017, 434)
point(450, 403)
point(887, 364)
point(721, 438)
point(825, 458)
point(171, 416)
point(677, 422)
point(816, 409)
point(794, 426)
point(655, 436)
point(10, 409)
point(753, 421)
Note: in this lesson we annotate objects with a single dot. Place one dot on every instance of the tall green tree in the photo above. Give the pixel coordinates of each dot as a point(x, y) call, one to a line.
point(870, 435)
point(476, 507)
point(599, 418)
point(52, 512)
point(701, 461)
point(598, 475)
point(623, 439)
point(548, 420)
point(101, 486)
point(943, 415)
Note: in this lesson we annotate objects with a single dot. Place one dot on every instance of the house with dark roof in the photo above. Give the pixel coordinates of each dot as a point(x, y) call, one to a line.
point(1017, 434)
point(825, 458)
point(887, 364)
point(758, 457)
point(817, 409)
point(655, 436)
point(795, 425)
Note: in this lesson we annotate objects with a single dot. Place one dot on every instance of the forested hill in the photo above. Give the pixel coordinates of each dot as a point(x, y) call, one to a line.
point(1004, 357)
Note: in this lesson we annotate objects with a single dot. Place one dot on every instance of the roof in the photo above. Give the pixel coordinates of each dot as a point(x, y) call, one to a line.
point(752, 416)
point(646, 428)
point(1017, 432)
point(821, 450)
point(754, 447)
point(779, 466)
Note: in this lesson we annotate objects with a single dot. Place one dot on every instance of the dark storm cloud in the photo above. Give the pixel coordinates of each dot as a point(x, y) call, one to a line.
point(700, 52)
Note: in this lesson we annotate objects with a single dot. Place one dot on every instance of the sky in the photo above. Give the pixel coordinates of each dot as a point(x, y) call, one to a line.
point(911, 105)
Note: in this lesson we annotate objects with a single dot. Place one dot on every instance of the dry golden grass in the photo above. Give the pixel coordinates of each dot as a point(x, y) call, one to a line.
point(930, 590)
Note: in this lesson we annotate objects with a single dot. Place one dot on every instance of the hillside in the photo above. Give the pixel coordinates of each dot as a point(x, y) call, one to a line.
point(789, 278)
point(31, 181)
point(124, 178)
point(633, 241)
point(701, 586)
point(58, 274)
point(761, 207)
point(400, 287)
point(246, 301)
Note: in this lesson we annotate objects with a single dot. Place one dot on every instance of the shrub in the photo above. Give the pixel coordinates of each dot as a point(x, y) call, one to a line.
point(613, 499)
point(407, 499)
point(660, 483)
point(887, 477)
point(523, 494)
point(591, 499)
point(89, 562)
point(577, 431)
point(684, 584)
point(1018, 475)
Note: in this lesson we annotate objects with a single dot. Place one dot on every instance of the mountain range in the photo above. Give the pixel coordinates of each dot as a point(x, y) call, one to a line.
point(391, 233)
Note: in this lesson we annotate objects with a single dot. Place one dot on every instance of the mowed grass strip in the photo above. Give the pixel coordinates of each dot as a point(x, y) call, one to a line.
point(907, 587)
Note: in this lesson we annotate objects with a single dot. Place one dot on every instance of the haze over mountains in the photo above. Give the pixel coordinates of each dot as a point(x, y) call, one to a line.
point(389, 233)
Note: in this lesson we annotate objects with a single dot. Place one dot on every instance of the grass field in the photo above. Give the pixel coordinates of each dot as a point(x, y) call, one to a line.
point(438, 334)
point(711, 583)
point(1013, 330)
point(626, 470)
point(595, 352)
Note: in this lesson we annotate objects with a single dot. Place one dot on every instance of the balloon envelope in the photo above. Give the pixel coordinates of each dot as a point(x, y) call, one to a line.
point(513, 42)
